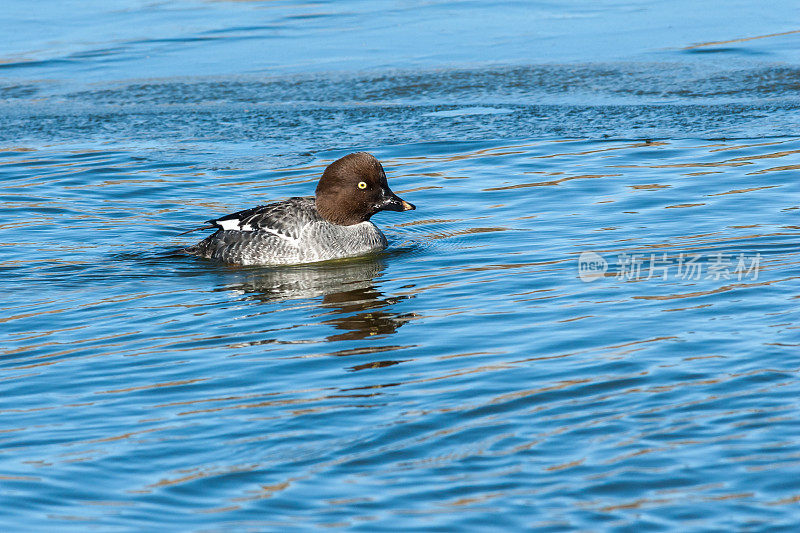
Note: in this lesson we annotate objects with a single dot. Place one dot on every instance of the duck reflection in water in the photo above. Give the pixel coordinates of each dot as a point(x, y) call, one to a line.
point(347, 289)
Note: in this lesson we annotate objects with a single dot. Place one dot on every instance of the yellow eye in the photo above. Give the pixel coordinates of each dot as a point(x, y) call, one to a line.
point(362, 184)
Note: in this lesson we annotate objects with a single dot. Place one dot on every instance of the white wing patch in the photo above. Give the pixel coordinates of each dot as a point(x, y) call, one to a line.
point(230, 224)
point(233, 224)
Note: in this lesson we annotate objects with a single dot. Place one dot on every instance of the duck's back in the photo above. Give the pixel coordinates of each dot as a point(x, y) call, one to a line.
point(287, 232)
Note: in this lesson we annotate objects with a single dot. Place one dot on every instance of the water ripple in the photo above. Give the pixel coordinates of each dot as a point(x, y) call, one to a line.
point(471, 376)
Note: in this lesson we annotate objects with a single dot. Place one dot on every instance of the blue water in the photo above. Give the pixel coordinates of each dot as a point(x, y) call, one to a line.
point(589, 322)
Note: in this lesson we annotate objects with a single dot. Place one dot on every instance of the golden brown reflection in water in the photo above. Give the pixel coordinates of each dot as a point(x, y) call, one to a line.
point(740, 40)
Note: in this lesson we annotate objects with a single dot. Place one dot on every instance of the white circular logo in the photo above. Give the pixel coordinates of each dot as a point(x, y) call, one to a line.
point(591, 266)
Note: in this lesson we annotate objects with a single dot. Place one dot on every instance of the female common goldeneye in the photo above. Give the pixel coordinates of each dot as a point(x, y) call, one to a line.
point(330, 225)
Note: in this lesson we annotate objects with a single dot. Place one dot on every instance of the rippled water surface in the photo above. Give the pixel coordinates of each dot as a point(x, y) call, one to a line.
point(589, 322)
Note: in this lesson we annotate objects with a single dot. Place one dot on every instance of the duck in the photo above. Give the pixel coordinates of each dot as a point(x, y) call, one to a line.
point(333, 224)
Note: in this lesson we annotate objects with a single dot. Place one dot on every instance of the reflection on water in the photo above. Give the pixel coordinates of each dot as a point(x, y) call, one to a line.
point(272, 284)
point(345, 290)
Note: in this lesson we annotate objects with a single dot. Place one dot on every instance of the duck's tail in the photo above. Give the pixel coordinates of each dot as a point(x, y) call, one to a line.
point(196, 229)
